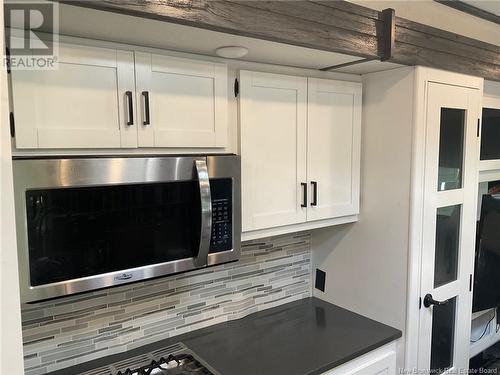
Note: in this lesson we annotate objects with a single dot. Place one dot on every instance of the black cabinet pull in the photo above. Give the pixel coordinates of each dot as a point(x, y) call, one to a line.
point(130, 121)
point(428, 301)
point(314, 185)
point(304, 202)
point(145, 94)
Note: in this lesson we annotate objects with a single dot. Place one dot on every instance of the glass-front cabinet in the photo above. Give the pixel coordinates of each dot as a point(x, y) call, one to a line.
point(449, 215)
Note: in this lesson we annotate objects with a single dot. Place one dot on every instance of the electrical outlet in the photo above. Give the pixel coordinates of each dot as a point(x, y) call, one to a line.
point(320, 280)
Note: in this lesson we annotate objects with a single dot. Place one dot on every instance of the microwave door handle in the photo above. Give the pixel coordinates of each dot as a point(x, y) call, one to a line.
point(206, 213)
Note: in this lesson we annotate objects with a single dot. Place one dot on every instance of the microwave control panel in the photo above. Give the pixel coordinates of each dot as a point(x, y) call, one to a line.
point(222, 215)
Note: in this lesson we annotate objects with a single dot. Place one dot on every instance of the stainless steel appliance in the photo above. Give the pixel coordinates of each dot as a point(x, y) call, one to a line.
point(86, 223)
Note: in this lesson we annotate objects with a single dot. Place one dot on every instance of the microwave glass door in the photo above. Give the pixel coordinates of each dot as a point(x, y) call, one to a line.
point(79, 232)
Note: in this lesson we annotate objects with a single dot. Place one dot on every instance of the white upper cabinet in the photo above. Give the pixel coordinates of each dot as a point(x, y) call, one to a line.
point(300, 151)
point(333, 148)
point(82, 104)
point(183, 103)
point(273, 121)
point(104, 98)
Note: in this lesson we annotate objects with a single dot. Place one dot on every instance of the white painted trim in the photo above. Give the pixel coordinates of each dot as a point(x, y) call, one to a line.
point(489, 175)
point(11, 345)
point(489, 165)
point(491, 101)
point(416, 219)
point(121, 151)
point(450, 78)
point(262, 233)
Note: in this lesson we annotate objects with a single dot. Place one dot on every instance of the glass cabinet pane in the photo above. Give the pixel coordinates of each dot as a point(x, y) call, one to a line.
point(451, 148)
point(447, 245)
point(490, 134)
point(443, 336)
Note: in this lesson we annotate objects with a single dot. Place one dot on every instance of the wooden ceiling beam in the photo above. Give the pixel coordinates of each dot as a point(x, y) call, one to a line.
point(335, 26)
point(300, 23)
point(418, 44)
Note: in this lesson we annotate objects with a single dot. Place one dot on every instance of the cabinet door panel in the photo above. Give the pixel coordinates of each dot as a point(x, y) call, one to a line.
point(333, 152)
point(381, 361)
point(273, 140)
point(187, 99)
point(448, 226)
point(82, 104)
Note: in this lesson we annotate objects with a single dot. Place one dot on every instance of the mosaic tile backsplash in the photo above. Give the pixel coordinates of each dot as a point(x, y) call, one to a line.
point(72, 330)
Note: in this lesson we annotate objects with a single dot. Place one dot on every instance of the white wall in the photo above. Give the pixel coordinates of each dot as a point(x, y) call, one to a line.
point(11, 355)
point(441, 16)
point(491, 88)
point(366, 262)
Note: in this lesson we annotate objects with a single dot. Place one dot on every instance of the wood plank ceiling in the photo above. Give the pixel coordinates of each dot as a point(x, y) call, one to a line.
point(336, 26)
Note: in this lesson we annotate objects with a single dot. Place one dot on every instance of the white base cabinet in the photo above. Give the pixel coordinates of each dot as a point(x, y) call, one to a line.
point(300, 150)
point(381, 361)
point(112, 98)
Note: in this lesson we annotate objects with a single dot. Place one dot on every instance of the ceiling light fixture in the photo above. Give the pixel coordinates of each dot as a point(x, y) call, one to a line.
point(231, 52)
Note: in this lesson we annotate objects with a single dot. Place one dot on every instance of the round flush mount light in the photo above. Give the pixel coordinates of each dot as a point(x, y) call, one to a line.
point(231, 52)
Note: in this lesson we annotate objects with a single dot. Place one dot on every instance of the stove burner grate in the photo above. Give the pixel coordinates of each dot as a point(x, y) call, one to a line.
point(175, 359)
point(174, 364)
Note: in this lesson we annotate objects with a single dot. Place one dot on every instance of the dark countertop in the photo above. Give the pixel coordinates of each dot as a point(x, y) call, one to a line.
point(305, 337)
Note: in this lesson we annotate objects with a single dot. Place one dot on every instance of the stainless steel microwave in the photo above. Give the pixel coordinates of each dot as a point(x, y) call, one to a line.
point(87, 223)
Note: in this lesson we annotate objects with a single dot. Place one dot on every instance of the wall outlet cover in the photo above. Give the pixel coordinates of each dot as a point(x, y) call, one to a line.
point(320, 280)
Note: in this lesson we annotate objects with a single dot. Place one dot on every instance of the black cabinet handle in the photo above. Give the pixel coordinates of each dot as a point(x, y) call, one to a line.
point(315, 193)
point(428, 301)
point(145, 94)
point(304, 202)
point(130, 121)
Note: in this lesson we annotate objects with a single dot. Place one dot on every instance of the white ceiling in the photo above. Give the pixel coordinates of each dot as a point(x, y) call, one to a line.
point(492, 6)
point(93, 24)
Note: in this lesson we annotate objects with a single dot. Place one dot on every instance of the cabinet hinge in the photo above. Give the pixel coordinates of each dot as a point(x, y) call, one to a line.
point(12, 125)
point(7, 59)
point(419, 303)
point(470, 283)
point(478, 127)
point(236, 87)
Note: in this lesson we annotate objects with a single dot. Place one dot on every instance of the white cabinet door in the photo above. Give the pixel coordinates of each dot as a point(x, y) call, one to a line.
point(82, 104)
point(187, 101)
point(273, 149)
point(449, 224)
point(381, 361)
point(333, 148)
